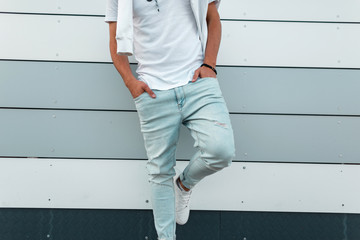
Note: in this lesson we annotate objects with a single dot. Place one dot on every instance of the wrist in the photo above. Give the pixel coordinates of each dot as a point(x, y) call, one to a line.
point(211, 63)
point(209, 66)
point(129, 81)
point(210, 60)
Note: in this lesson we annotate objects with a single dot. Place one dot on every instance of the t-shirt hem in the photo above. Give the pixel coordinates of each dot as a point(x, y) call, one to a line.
point(168, 87)
point(110, 19)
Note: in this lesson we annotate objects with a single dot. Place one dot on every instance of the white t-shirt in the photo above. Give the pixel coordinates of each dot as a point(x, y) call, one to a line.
point(166, 42)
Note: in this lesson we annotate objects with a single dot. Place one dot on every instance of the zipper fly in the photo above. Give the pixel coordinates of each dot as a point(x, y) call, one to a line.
point(180, 97)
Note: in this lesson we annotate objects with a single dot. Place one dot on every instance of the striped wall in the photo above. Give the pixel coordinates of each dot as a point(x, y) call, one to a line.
point(69, 131)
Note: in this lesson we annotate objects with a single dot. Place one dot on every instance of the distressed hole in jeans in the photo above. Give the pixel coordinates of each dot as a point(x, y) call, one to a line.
point(220, 124)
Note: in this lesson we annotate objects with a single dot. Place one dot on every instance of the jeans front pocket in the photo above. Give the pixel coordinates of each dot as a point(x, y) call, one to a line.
point(205, 78)
point(139, 97)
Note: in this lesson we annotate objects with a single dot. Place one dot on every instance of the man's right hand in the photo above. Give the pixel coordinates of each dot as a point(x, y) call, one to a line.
point(121, 63)
point(137, 88)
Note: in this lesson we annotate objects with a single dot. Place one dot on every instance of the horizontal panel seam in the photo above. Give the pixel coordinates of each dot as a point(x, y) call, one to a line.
point(178, 159)
point(285, 21)
point(132, 111)
point(218, 65)
point(298, 114)
point(54, 14)
point(222, 19)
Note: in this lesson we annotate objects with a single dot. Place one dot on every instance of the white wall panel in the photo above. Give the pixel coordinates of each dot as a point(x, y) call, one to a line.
point(70, 38)
point(93, 7)
point(290, 44)
point(44, 37)
point(307, 10)
point(70, 183)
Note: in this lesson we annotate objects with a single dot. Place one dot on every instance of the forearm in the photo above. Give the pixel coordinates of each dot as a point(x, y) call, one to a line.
point(213, 40)
point(121, 62)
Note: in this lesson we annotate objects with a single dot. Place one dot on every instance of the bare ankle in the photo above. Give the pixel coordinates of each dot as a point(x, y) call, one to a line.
point(182, 185)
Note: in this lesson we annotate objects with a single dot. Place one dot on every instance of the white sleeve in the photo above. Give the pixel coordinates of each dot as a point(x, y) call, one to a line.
point(124, 27)
point(217, 2)
point(111, 11)
point(120, 11)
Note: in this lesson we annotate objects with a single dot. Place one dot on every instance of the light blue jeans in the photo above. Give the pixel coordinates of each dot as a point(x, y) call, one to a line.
point(202, 109)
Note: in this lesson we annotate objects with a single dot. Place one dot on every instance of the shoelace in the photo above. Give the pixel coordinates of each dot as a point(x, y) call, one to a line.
point(185, 198)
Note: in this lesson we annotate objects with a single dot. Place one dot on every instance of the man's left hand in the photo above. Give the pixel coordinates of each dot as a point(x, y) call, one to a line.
point(203, 72)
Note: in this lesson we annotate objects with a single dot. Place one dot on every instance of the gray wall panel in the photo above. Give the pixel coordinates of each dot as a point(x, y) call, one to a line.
point(246, 89)
point(291, 90)
point(62, 85)
point(297, 138)
point(37, 133)
point(105, 134)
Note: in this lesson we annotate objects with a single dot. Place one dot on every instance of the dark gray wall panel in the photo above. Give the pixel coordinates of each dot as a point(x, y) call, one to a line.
point(294, 226)
point(63, 224)
point(246, 89)
point(111, 134)
point(352, 224)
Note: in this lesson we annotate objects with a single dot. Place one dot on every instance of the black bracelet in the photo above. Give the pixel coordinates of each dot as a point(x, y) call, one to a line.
point(207, 65)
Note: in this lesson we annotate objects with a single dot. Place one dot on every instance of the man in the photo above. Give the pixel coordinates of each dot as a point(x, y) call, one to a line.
point(176, 43)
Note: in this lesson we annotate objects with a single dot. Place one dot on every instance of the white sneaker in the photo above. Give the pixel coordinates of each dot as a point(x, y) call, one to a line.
point(182, 203)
